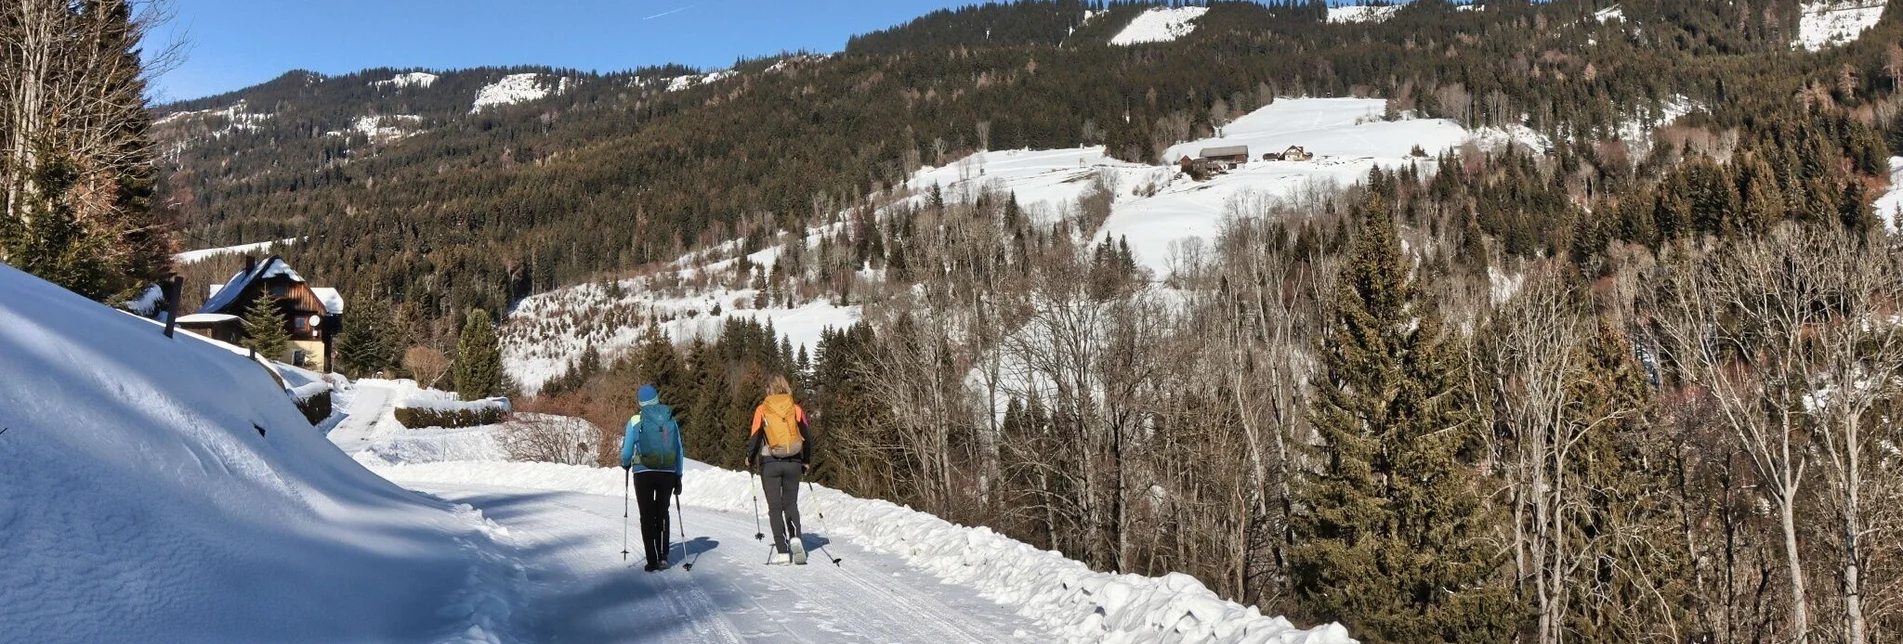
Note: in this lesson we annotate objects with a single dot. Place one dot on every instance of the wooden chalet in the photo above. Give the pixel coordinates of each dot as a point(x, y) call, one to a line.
point(314, 316)
point(1228, 156)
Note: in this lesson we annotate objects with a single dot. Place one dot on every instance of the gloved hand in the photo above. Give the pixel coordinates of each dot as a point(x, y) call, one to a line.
point(627, 466)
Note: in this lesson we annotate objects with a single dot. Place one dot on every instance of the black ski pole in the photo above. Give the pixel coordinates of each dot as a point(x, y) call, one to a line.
point(627, 478)
point(821, 509)
point(680, 518)
point(755, 489)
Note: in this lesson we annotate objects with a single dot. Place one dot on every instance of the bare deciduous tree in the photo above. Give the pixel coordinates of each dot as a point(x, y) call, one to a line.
point(426, 365)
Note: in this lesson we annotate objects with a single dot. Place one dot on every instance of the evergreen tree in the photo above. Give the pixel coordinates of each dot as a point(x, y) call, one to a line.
point(370, 341)
point(77, 179)
point(478, 372)
point(264, 329)
point(1389, 540)
point(660, 366)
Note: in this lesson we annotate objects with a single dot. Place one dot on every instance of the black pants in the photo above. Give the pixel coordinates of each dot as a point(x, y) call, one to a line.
point(782, 482)
point(651, 492)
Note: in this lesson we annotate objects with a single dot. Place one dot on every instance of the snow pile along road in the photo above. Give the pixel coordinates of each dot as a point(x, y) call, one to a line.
point(1821, 25)
point(1162, 24)
point(1066, 597)
point(167, 490)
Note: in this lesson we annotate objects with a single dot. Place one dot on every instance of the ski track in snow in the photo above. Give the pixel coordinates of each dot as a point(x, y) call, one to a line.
point(581, 590)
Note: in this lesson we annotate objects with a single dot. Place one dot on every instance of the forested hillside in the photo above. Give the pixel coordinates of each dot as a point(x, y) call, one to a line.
point(1613, 368)
point(611, 172)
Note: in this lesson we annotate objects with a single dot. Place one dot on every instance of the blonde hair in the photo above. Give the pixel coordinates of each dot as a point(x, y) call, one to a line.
point(777, 386)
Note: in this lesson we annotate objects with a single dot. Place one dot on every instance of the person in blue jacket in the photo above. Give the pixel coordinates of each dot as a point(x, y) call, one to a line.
point(652, 449)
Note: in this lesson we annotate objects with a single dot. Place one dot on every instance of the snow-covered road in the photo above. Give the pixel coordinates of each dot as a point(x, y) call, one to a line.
point(581, 590)
point(368, 404)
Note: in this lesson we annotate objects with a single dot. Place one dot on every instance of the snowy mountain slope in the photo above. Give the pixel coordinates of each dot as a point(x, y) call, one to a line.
point(546, 333)
point(1354, 14)
point(167, 490)
point(1161, 24)
point(1827, 24)
point(512, 89)
point(1347, 136)
point(410, 79)
point(880, 592)
point(679, 83)
point(195, 256)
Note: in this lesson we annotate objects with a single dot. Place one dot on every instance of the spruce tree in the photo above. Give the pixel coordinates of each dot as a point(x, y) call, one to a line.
point(264, 329)
point(370, 342)
point(478, 359)
point(1389, 538)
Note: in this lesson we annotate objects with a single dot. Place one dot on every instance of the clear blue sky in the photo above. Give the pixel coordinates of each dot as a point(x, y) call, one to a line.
point(233, 44)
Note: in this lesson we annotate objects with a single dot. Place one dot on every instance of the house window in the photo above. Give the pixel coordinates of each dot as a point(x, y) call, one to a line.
point(297, 358)
point(280, 289)
point(299, 323)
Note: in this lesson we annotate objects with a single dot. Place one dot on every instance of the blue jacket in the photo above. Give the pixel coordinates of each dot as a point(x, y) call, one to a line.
point(657, 413)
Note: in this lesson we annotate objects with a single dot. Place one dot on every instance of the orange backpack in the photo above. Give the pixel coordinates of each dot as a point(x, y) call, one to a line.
point(780, 417)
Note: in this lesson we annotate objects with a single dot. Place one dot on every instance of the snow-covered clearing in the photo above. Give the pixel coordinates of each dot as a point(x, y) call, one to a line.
point(1346, 135)
point(1161, 24)
point(1827, 24)
point(882, 591)
point(1609, 14)
point(515, 88)
point(236, 118)
point(195, 256)
point(679, 83)
point(383, 128)
point(547, 332)
point(410, 79)
point(1354, 14)
point(166, 490)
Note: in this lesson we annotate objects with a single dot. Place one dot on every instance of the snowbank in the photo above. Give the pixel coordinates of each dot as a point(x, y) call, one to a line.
point(168, 490)
point(1083, 605)
point(438, 401)
point(1822, 25)
point(1162, 24)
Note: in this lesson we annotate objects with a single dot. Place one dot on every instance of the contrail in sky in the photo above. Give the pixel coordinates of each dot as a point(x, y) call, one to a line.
point(673, 11)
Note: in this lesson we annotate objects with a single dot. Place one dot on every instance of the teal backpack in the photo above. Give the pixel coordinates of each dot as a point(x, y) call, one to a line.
point(655, 436)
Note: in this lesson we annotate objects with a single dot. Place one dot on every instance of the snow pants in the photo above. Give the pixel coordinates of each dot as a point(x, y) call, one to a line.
point(651, 492)
point(782, 482)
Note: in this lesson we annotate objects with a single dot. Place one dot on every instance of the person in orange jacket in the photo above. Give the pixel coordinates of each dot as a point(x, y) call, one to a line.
point(782, 448)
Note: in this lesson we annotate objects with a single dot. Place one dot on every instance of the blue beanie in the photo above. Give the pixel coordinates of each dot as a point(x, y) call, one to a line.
point(649, 396)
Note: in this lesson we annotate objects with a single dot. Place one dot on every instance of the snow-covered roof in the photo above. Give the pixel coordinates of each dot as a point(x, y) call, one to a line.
point(206, 318)
point(333, 301)
point(227, 296)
